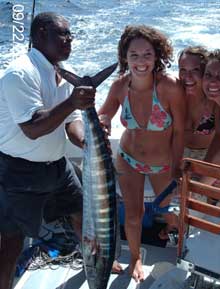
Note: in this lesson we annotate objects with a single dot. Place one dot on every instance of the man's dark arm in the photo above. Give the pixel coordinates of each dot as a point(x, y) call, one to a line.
point(45, 121)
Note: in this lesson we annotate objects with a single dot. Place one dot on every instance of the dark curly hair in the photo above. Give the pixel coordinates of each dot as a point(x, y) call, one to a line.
point(215, 54)
point(199, 51)
point(161, 44)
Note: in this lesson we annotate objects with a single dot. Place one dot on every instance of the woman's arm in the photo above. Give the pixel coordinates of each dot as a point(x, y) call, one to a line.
point(75, 132)
point(213, 154)
point(110, 106)
point(178, 109)
point(45, 121)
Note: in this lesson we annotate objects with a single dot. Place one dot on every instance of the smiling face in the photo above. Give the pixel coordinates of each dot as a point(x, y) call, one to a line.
point(211, 80)
point(190, 73)
point(141, 57)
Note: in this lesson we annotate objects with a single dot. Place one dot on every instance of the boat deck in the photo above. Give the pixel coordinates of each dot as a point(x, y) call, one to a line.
point(157, 261)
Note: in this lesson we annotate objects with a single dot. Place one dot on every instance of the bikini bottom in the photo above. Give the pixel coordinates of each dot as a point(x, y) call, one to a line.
point(142, 167)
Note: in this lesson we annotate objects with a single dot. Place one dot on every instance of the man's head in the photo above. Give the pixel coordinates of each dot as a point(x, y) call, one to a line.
point(51, 35)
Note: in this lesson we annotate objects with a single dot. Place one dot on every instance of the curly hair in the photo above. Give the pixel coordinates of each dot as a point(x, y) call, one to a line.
point(199, 51)
point(215, 54)
point(161, 44)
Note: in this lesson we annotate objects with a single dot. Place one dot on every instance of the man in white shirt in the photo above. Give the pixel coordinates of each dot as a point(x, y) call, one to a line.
point(37, 109)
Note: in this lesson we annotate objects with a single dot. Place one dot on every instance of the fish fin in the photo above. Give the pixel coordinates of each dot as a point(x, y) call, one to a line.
point(103, 75)
point(94, 81)
point(69, 76)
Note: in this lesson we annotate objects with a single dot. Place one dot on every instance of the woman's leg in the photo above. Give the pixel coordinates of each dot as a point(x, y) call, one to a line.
point(132, 187)
point(159, 182)
point(116, 267)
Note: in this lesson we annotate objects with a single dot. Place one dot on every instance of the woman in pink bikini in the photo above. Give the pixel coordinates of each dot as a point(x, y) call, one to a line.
point(200, 120)
point(153, 116)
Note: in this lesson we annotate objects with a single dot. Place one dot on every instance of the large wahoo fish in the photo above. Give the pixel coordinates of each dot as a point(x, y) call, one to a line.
point(99, 192)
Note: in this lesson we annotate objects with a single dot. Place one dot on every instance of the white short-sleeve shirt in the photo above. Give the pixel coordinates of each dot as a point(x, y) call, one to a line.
point(26, 86)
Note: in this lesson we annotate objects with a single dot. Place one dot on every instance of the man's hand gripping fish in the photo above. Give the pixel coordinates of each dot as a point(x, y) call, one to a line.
point(99, 192)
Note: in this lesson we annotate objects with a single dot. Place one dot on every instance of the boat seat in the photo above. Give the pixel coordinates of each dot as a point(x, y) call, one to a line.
point(199, 229)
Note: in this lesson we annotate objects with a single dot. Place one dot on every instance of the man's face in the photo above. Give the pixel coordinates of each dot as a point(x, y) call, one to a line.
point(57, 41)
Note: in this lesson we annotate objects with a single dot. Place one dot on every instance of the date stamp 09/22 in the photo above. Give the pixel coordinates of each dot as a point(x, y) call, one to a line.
point(18, 23)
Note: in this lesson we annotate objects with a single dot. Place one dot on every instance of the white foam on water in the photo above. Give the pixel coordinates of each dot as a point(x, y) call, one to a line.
point(98, 24)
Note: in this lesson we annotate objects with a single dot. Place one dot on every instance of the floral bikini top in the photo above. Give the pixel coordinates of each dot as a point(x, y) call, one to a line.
point(159, 119)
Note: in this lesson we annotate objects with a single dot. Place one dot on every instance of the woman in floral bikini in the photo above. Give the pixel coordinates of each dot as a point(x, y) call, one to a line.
point(153, 115)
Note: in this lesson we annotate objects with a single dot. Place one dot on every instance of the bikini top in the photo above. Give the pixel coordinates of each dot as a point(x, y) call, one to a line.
point(159, 119)
point(206, 124)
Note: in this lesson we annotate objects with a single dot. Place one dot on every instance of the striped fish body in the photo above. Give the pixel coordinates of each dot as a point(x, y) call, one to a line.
point(99, 204)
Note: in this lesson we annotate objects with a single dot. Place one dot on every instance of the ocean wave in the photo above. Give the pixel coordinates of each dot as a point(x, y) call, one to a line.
point(5, 13)
point(98, 24)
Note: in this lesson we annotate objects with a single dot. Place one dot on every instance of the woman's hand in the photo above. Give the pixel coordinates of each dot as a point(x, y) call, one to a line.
point(105, 122)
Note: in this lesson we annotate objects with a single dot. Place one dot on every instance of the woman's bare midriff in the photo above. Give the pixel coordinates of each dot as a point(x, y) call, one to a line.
point(197, 141)
point(150, 147)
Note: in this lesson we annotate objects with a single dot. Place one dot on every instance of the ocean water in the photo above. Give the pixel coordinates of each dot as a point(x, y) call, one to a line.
point(98, 24)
